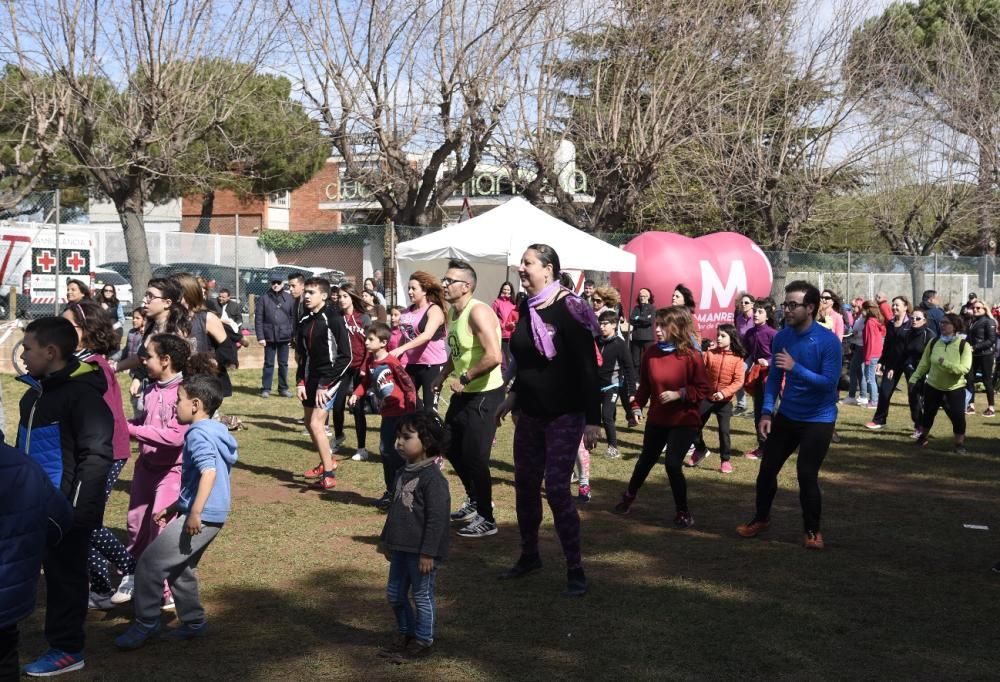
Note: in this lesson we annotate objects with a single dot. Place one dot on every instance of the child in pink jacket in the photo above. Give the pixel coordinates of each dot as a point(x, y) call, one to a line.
point(156, 481)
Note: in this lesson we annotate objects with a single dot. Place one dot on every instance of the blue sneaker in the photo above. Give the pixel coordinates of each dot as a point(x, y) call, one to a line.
point(54, 662)
point(136, 635)
point(187, 631)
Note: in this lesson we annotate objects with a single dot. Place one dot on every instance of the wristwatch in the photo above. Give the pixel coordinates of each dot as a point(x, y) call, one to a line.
point(465, 379)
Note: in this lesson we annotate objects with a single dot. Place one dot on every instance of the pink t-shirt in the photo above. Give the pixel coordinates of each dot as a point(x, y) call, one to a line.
point(434, 351)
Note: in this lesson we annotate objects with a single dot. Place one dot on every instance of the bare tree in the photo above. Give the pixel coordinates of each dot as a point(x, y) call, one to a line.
point(792, 131)
point(142, 84)
point(411, 92)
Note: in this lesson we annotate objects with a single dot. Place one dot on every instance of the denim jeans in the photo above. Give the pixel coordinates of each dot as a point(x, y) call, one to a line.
point(404, 576)
point(870, 380)
point(272, 349)
point(856, 374)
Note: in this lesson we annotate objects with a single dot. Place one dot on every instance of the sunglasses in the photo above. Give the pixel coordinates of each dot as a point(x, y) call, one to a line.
point(827, 298)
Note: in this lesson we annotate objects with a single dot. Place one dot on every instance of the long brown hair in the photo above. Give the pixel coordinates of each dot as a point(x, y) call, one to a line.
point(194, 295)
point(431, 286)
point(872, 310)
point(679, 326)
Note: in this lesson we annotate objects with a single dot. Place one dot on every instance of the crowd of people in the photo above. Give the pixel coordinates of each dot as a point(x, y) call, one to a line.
point(559, 363)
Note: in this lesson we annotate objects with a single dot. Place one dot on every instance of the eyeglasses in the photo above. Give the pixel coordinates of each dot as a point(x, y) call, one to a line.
point(979, 309)
point(827, 298)
point(595, 299)
point(150, 297)
point(448, 281)
point(919, 319)
point(792, 305)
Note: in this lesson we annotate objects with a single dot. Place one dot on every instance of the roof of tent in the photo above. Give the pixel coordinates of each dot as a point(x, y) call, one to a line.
point(502, 234)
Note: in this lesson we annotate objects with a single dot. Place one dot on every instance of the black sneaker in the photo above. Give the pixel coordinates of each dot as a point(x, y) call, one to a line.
point(383, 503)
point(625, 505)
point(479, 528)
point(466, 512)
point(524, 566)
point(996, 567)
point(576, 583)
point(683, 520)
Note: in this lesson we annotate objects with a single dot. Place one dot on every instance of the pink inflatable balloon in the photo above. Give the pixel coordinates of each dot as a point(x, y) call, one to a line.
point(716, 268)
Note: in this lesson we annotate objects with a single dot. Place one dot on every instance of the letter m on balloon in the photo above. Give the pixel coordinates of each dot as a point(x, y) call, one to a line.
point(711, 285)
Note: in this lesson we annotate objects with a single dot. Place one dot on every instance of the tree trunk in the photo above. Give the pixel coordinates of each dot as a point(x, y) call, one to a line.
point(207, 209)
point(918, 278)
point(130, 214)
point(984, 201)
point(779, 269)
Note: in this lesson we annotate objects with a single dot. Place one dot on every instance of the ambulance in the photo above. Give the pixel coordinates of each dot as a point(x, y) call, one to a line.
point(39, 264)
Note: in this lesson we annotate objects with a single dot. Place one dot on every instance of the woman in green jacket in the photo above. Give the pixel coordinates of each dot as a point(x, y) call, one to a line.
point(945, 362)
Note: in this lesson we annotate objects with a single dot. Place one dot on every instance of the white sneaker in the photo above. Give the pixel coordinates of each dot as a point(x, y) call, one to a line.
point(125, 589)
point(360, 456)
point(100, 602)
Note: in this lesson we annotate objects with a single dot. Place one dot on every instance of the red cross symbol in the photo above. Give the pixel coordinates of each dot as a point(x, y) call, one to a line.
point(75, 262)
point(45, 261)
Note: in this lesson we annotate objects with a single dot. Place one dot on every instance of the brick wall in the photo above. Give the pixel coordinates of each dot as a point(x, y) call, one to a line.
point(227, 205)
point(305, 214)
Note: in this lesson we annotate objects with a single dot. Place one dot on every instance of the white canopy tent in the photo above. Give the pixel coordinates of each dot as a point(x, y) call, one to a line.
point(494, 243)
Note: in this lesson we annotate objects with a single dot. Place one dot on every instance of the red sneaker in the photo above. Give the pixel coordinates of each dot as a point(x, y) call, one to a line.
point(752, 529)
point(753, 454)
point(327, 480)
point(315, 472)
point(813, 540)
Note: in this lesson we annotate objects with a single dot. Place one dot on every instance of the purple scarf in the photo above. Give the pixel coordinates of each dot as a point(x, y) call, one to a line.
point(577, 308)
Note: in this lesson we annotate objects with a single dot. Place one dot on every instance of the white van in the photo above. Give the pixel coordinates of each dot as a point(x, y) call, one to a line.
point(39, 265)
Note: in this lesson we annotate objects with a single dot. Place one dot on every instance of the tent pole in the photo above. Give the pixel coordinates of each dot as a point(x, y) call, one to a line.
point(625, 309)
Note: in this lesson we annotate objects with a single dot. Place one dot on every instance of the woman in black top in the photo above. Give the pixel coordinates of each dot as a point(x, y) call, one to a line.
point(982, 336)
point(556, 398)
point(641, 320)
point(917, 338)
point(893, 358)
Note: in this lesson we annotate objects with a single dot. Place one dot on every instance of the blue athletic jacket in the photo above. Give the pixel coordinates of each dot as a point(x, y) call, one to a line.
point(810, 390)
point(31, 511)
point(66, 427)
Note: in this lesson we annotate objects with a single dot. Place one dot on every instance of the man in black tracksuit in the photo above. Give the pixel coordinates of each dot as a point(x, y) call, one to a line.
point(615, 372)
point(66, 427)
point(323, 344)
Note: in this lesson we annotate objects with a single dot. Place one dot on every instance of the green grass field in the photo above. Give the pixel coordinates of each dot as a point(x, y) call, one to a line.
point(294, 587)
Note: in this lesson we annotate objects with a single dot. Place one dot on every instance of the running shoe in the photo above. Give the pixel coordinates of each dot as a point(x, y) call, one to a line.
point(739, 410)
point(479, 528)
point(753, 454)
point(696, 457)
point(524, 566)
point(874, 426)
point(360, 456)
point(752, 529)
point(54, 662)
point(466, 512)
point(683, 520)
point(100, 602)
point(971, 409)
point(849, 401)
point(726, 467)
point(326, 481)
point(625, 505)
point(125, 589)
point(383, 503)
point(337, 442)
point(583, 495)
point(315, 472)
point(813, 540)
point(265, 394)
point(990, 412)
point(923, 441)
point(996, 567)
point(872, 405)
point(612, 453)
point(835, 438)
point(137, 635)
point(576, 583)
point(285, 394)
point(187, 631)
point(960, 450)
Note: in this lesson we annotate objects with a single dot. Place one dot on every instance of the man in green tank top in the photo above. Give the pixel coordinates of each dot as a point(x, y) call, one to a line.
point(474, 375)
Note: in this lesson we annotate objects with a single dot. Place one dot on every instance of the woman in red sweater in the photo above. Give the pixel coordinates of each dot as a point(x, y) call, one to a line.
point(725, 370)
point(672, 379)
point(874, 336)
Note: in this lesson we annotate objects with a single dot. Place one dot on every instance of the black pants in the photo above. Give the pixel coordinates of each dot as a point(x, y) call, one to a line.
point(885, 391)
point(471, 421)
point(423, 378)
point(758, 406)
point(954, 407)
point(983, 366)
point(66, 590)
point(351, 379)
point(677, 440)
point(723, 413)
point(812, 440)
point(10, 668)
point(637, 348)
point(608, 413)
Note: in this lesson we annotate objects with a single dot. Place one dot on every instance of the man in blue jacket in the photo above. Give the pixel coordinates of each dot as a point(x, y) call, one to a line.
point(274, 323)
point(66, 427)
point(31, 512)
point(807, 358)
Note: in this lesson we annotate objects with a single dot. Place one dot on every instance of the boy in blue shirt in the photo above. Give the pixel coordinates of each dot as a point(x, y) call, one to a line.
point(201, 509)
point(807, 357)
